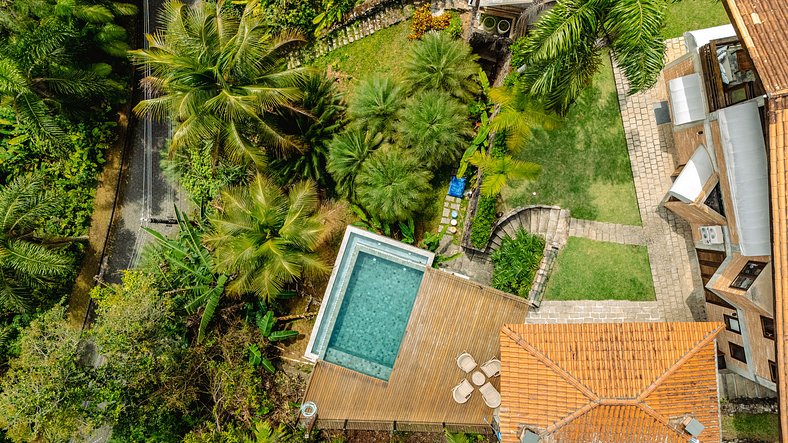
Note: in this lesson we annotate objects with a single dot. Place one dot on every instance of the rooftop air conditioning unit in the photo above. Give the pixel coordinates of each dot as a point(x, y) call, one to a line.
point(528, 436)
point(693, 427)
point(711, 235)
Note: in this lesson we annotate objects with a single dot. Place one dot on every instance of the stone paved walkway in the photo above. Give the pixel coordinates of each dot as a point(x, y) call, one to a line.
point(610, 232)
point(449, 204)
point(678, 288)
point(674, 266)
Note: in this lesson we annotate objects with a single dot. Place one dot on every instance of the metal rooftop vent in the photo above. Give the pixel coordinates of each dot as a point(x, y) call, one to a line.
point(693, 427)
point(529, 437)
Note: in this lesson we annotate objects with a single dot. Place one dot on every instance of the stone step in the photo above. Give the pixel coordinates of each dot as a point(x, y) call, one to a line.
point(552, 224)
point(544, 219)
point(524, 220)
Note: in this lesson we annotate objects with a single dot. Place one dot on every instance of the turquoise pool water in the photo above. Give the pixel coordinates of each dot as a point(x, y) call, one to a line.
point(368, 304)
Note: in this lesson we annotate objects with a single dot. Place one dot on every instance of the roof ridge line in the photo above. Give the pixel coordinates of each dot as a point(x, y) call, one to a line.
point(586, 408)
point(585, 390)
point(659, 417)
point(680, 362)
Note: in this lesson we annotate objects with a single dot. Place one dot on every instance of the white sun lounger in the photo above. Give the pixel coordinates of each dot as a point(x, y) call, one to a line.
point(466, 362)
point(490, 395)
point(491, 368)
point(462, 392)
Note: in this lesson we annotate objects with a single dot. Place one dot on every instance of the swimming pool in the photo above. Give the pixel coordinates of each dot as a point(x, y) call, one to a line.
point(368, 303)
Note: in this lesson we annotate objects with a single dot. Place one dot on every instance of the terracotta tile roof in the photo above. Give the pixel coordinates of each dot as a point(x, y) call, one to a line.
point(763, 27)
point(630, 382)
point(777, 120)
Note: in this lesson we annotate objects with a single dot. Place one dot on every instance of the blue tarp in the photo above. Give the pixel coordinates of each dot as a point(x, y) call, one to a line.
point(456, 187)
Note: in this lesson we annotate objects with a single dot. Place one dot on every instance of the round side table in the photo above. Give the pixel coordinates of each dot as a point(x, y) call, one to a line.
point(478, 378)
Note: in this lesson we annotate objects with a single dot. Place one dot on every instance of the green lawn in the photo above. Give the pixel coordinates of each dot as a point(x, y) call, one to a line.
point(381, 52)
point(585, 163)
point(751, 427)
point(595, 270)
point(688, 15)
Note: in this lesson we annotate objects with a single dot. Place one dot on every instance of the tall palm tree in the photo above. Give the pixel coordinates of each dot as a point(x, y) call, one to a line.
point(28, 263)
point(435, 126)
point(439, 62)
point(221, 78)
point(375, 102)
point(265, 238)
point(518, 114)
point(392, 185)
point(497, 171)
point(564, 50)
point(346, 155)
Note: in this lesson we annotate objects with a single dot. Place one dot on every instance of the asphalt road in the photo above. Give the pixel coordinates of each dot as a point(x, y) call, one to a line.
point(146, 196)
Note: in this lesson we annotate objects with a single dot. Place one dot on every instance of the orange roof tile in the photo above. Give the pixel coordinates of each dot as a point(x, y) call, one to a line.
point(632, 382)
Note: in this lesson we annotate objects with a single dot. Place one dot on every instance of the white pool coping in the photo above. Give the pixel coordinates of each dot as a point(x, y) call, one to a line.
point(350, 230)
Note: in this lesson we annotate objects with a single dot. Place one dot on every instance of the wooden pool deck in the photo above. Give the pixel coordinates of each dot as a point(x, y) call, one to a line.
point(451, 315)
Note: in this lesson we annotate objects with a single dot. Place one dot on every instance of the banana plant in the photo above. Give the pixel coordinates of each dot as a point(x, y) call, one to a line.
point(193, 267)
point(265, 324)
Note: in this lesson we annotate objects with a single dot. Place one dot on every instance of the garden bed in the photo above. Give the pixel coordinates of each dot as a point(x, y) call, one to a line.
point(595, 270)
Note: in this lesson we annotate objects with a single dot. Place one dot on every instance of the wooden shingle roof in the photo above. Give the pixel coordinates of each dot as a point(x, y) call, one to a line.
point(632, 382)
point(762, 25)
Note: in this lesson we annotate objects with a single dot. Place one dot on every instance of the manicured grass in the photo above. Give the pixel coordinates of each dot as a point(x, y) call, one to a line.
point(594, 270)
point(688, 15)
point(381, 52)
point(751, 427)
point(585, 163)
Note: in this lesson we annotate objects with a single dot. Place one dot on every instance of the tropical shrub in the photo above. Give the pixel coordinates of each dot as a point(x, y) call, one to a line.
point(455, 27)
point(515, 263)
point(266, 238)
point(483, 221)
point(347, 153)
point(435, 127)
point(438, 62)
point(375, 102)
point(423, 21)
point(392, 185)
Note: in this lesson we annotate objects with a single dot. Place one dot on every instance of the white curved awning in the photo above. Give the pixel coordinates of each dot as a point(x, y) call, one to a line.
point(745, 160)
point(686, 99)
point(695, 39)
point(689, 184)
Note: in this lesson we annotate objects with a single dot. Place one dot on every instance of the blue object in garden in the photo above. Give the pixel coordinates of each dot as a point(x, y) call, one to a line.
point(456, 187)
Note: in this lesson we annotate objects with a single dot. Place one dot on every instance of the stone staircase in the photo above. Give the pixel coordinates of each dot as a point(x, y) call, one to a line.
point(551, 222)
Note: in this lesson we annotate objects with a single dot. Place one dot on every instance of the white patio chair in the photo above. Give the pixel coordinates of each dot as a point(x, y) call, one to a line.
point(466, 362)
point(491, 396)
point(462, 392)
point(491, 368)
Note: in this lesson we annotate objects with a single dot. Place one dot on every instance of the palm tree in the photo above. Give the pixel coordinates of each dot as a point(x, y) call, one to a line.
point(563, 52)
point(518, 114)
point(221, 78)
point(392, 185)
point(267, 239)
point(375, 102)
point(324, 105)
point(438, 62)
point(28, 263)
point(497, 171)
point(347, 153)
point(435, 126)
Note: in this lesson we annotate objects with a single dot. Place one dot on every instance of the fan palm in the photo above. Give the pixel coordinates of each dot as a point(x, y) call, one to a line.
point(265, 238)
point(563, 51)
point(392, 185)
point(27, 262)
point(375, 102)
point(497, 171)
point(435, 126)
point(221, 78)
point(439, 62)
point(347, 153)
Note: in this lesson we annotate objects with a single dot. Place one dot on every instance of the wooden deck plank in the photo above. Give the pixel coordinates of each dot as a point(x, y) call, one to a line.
point(451, 315)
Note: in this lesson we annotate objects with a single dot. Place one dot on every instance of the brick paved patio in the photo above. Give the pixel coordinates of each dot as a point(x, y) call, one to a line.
point(674, 266)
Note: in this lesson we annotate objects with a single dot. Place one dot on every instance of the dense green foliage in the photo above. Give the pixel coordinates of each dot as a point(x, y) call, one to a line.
point(375, 102)
point(483, 221)
point(515, 263)
point(762, 427)
point(438, 62)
